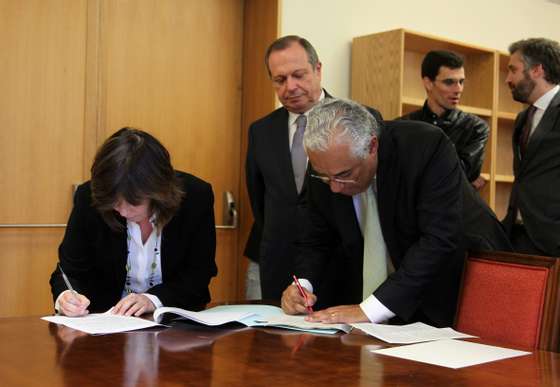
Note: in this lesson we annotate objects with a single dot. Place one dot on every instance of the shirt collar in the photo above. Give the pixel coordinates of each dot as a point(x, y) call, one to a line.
point(545, 99)
point(153, 221)
point(447, 114)
point(293, 116)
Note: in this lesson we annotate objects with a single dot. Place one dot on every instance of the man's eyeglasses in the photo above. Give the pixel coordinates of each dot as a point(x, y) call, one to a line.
point(328, 180)
point(452, 81)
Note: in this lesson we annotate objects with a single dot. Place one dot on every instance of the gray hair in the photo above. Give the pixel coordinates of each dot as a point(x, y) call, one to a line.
point(336, 121)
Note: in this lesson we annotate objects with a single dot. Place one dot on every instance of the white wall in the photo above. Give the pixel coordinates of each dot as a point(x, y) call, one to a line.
point(330, 25)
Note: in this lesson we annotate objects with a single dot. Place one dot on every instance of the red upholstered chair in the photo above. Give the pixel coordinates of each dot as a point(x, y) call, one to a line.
point(511, 299)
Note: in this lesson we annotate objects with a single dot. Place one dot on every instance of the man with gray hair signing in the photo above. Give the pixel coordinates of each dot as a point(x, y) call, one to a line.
point(394, 196)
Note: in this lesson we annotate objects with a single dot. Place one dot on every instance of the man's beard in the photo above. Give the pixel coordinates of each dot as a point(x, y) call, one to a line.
point(523, 89)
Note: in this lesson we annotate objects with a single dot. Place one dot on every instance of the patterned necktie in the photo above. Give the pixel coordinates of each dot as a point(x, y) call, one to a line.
point(299, 158)
point(526, 132)
point(375, 251)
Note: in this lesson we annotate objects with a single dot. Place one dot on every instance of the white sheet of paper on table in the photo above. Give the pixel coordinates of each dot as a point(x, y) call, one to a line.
point(102, 323)
point(451, 353)
point(408, 334)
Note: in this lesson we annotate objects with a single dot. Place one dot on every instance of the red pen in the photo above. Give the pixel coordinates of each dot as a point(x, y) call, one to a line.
point(309, 308)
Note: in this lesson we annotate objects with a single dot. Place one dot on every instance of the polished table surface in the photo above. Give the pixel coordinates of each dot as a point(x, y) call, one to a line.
point(34, 352)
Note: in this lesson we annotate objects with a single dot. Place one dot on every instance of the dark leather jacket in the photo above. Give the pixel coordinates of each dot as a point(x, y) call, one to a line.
point(468, 132)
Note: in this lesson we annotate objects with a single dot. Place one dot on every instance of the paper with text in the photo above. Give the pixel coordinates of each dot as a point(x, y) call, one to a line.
point(451, 353)
point(102, 323)
point(408, 334)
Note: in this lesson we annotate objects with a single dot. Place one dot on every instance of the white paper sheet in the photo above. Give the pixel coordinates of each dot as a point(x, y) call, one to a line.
point(451, 353)
point(408, 334)
point(102, 323)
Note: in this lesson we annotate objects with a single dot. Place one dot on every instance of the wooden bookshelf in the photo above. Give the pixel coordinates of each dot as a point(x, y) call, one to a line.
point(386, 75)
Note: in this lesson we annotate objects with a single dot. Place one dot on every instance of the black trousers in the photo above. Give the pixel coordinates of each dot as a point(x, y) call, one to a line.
point(521, 241)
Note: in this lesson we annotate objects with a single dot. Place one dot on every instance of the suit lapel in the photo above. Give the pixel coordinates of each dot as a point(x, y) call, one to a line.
point(119, 254)
point(280, 145)
point(386, 180)
point(345, 216)
point(519, 122)
point(170, 237)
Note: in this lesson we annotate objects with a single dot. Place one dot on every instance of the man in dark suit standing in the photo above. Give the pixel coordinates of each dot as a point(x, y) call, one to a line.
point(276, 163)
point(533, 218)
point(393, 194)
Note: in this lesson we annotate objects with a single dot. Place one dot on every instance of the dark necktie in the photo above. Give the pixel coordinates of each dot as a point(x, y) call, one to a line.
point(526, 132)
point(299, 158)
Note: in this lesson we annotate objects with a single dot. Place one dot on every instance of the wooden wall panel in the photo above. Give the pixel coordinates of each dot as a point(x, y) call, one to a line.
point(41, 108)
point(77, 70)
point(260, 29)
point(173, 68)
point(42, 45)
point(28, 258)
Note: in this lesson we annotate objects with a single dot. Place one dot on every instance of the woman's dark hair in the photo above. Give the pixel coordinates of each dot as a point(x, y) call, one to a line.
point(132, 165)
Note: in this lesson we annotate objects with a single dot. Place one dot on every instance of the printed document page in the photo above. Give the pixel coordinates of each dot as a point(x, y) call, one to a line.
point(102, 323)
point(451, 353)
point(408, 334)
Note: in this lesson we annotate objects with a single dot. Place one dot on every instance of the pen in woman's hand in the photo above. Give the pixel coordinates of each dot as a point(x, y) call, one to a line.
point(69, 285)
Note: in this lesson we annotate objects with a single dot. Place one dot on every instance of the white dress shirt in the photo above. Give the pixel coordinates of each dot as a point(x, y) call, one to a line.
point(141, 258)
point(542, 104)
point(292, 117)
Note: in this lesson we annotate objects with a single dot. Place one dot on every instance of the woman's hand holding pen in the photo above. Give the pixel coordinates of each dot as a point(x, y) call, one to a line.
point(294, 303)
point(73, 304)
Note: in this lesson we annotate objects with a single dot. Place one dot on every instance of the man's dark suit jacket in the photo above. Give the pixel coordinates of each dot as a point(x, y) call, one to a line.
point(94, 256)
point(536, 189)
point(428, 214)
point(280, 213)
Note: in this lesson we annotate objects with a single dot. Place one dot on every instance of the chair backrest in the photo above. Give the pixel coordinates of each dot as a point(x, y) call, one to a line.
point(511, 299)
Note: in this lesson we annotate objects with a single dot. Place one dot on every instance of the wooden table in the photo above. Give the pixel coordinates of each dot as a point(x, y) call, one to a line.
point(36, 353)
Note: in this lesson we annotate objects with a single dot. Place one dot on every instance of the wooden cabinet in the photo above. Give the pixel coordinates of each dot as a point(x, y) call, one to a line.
point(386, 75)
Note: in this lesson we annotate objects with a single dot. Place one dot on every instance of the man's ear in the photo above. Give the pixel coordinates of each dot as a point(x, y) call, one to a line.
point(537, 71)
point(428, 84)
point(318, 69)
point(373, 145)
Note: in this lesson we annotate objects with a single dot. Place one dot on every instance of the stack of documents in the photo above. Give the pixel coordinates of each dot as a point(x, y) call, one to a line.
point(252, 315)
